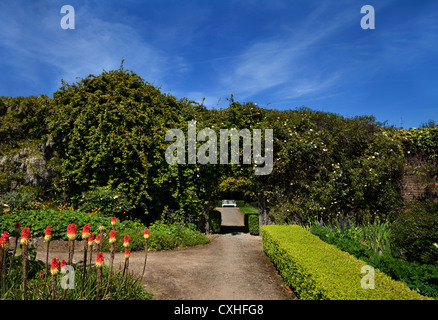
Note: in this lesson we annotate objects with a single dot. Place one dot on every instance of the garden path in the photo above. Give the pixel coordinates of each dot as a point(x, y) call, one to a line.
point(232, 266)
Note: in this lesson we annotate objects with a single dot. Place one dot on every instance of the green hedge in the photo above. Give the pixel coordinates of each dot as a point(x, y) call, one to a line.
point(319, 271)
point(240, 203)
point(252, 223)
point(215, 221)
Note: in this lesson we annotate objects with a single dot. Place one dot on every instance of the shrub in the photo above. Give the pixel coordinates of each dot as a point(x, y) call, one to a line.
point(422, 278)
point(318, 270)
point(240, 203)
point(253, 223)
point(415, 233)
point(17, 200)
point(170, 236)
point(215, 221)
point(109, 201)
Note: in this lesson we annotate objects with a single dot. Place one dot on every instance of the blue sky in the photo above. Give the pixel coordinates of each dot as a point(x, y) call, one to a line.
point(279, 54)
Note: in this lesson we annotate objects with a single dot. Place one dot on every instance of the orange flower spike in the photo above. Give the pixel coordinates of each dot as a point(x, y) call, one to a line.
point(113, 221)
point(54, 267)
point(126, 241)
point(86, 231)
point(48, 234)
point(146, 233)
point(97, 239)
point(25, 236)
point(4, 240)
point(71, 232)
point(112, 236)
point(127, 253)
point(99, 260)
point(90, 239)
point(5, 236)
point(63, 264)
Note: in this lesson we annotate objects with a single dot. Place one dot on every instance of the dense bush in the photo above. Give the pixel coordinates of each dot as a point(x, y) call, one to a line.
point(317, 270)
point(109, 201)
point(253, 224)
point(109, 131)
point(17, 200)
point(420, 277)
point(170, 236)
point(328, 166)
point(415, 233)
point(215, 221)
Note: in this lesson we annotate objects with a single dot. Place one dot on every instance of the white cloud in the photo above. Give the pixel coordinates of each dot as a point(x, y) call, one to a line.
point(95, 44)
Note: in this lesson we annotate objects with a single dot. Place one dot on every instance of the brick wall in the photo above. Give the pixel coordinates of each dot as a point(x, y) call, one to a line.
point(416, 186)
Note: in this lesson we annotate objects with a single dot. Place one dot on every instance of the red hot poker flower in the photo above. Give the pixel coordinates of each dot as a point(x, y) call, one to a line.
point(90, 239)
point(127, 253)
point(99, 260)
point(25, 236)
point(5, 236)
point(54, 267)
point(5, 240)
point(86, 231)
point(63, 264)
point(146, 233)
point(18, 226)
point(97, 239)
point(71, 231)
point(126, 241)
point(48, 234)
point(113, 221)
point(112, 236)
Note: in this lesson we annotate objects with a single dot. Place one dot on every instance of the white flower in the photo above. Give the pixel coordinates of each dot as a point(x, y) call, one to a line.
point(436, 245)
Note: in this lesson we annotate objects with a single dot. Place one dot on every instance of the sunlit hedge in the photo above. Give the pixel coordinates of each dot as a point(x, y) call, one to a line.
point(319, 271)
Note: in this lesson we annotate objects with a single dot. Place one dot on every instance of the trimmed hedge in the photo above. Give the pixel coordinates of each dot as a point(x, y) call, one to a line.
point(240, 203)
point(319, 271)
point(215, 221)
point(253, 223)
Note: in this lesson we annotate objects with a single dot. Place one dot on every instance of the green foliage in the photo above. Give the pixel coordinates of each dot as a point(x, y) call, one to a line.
point(327, 166)
point(17, 200)
point(253, 223)
point(240, 203)
point(109, 131)
point(317, 270)
point(237, 188)
point(110, 202)
point(215, 221)
point(419, 277)
point(170, 236)
point(250, 218)
point(37, 218)
point(247, 208)
point(415, 233)
point(39, 287)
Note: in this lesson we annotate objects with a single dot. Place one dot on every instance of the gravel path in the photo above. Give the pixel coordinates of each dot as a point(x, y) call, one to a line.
point(232, 266)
